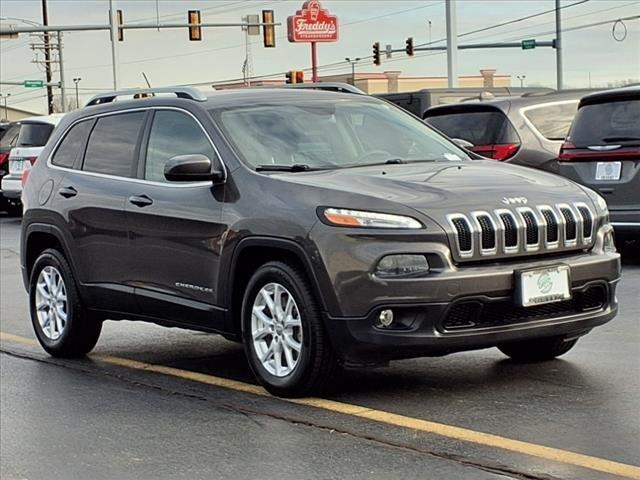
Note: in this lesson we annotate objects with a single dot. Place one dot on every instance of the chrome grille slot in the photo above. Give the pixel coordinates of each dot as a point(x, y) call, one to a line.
point(531, 225)
point(551, 228)
point(587, 221)
point(488, 232)
point(570, 228)
point(510, 230)
point(464, 234)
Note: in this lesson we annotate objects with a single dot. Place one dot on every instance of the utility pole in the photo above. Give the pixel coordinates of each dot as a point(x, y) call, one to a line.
point(429, 21)
point(452, 44)
point(47, 57)
point(6, 111)
point(114, 45)
point(77, 81)
point(559, 79)
point(63, 91)
point(353, 63)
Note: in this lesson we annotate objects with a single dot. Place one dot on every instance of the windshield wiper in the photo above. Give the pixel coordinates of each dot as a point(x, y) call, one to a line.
point(394, 161)
point(295, 167)
point(620, 139)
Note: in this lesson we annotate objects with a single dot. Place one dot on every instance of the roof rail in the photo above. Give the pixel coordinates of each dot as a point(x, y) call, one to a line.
point(180, 92)
point(329, 86)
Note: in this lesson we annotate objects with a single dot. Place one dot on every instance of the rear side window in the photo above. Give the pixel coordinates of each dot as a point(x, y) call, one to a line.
point(607, 123)
point(477, 127)
point(34, 134)
point(173, 133)
point(113, 143)
point(552, 121)
point(71, 145)
point(10, 136)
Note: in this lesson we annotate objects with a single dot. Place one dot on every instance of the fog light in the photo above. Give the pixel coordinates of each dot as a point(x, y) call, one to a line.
point(385, 319)
point(402, 266)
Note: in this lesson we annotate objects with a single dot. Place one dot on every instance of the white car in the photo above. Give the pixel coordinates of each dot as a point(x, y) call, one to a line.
point(34, 134)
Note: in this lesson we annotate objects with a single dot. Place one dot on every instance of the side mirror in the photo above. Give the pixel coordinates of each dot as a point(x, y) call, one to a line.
point(192, 168)
point(462, 143)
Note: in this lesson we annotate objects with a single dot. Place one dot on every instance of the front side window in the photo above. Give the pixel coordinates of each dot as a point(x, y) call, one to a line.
point(173, 133)
point(71, 145)
point(331, 134)
point(111, 149)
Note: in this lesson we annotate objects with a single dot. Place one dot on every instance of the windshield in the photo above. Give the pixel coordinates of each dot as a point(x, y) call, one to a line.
point(34, 134)
point(331, 134)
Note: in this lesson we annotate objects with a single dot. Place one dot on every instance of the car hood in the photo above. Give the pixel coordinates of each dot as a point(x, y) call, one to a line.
point(449, 187)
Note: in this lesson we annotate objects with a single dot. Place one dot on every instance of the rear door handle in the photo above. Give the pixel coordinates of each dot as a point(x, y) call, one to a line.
point(68, 192)
point(140, 200)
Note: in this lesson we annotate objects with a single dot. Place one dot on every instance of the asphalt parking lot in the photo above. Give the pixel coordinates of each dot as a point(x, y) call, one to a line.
point(166, 403)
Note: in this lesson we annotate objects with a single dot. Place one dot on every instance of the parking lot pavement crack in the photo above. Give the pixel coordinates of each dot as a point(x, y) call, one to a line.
point(250, 414)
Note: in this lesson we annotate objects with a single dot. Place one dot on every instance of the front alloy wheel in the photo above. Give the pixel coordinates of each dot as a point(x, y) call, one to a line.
point(276, 329)
point(283, 333)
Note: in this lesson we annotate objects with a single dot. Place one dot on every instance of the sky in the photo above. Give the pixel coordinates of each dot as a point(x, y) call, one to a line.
point(167, 57)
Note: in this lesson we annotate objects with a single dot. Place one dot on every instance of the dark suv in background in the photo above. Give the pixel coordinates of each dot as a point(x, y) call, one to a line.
point(320, 229)
point(602, 152)
point(526, 130)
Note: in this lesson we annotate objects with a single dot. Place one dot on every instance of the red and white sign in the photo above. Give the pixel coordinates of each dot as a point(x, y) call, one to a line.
point(312, 24)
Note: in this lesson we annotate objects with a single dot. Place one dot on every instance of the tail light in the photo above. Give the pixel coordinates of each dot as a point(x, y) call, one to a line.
point(25, 176)
point(569, 152)
point(3, 158)
point(32, 160)
point(499, 152)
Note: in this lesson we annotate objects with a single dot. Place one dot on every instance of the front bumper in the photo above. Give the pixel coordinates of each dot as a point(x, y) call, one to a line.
point(359, 341)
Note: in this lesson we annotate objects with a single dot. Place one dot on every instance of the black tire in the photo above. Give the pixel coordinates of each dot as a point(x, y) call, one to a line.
point(538, 350)
point(14, 209)
point(317, 364)
point(81, 332)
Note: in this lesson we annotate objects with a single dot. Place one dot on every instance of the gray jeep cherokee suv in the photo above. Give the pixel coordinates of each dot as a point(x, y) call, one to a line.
point(320, 229)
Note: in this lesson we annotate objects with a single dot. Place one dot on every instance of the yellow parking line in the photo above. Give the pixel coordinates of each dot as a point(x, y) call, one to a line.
point(426, 426)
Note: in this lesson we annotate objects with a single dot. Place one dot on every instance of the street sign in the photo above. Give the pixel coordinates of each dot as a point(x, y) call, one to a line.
point(528, 44)
point(33, 83)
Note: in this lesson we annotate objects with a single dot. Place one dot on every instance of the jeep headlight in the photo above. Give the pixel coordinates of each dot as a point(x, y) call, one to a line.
point(360, 218)
point(601, 205)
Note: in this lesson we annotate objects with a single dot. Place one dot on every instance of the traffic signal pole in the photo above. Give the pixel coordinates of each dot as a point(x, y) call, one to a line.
point(452, 44)
point(113, 27)
point(559, 79)
point(47, 58)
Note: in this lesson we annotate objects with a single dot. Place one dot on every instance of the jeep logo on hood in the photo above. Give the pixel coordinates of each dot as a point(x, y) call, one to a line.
point(515, 200)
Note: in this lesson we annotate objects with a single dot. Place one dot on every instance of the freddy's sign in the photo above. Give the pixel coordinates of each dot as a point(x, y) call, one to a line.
point(312, 24)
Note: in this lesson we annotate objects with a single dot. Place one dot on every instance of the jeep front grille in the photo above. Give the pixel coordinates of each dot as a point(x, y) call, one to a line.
point(522, 230)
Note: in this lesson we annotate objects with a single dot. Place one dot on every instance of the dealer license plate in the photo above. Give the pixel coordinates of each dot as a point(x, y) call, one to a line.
point(608, 170)
point(543, 285)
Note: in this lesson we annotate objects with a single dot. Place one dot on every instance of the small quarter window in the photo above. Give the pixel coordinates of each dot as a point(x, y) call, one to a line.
point(112, 145)
point(173, 133)
point(552, 121)
point(71, 145)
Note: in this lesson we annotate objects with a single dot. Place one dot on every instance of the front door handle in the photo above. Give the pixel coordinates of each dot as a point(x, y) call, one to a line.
point(140, 200)
point(68, 192)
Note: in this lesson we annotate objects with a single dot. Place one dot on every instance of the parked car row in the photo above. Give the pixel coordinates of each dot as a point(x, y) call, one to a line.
point(21, 145)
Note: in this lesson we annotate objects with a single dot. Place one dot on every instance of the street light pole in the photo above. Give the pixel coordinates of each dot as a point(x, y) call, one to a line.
point(353, 63)
point(114, 45)
point(559, 78)
point(47, 57)
point(521, 78)
point(77, 81)
point(452, 44)
point(4, 99)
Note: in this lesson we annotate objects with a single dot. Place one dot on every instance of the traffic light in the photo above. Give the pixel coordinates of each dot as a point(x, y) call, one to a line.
point(120, 21)
point(294, 76)
point(195, 33)
point(376, 53)
point(268, 31)
point(409, 46)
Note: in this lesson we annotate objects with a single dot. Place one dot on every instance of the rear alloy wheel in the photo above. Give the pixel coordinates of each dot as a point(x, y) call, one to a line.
point(284, 338)
point(61, 323)
point(538, 350)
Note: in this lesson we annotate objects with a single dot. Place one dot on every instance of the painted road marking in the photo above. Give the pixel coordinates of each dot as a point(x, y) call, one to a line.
point(426, 426)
